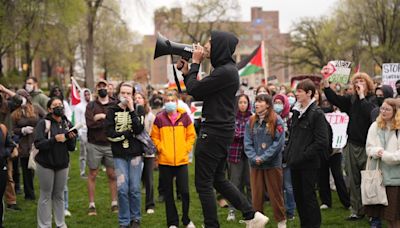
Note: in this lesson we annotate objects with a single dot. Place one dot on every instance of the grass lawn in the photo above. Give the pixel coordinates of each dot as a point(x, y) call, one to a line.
point(78, 204)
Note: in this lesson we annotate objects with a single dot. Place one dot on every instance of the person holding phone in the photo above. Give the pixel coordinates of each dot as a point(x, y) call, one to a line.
point(54, 141)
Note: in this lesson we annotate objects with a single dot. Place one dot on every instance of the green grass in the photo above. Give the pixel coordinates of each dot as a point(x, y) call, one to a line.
point(78, 203)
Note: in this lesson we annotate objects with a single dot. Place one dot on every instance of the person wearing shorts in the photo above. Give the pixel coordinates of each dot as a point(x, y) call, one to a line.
point(98, 147)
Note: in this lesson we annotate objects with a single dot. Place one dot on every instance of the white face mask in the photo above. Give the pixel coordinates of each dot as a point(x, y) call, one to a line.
point(29, 88)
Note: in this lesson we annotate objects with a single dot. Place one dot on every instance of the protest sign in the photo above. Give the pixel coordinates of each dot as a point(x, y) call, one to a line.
point(338, 122)
point(390, 74)
point(337, 71)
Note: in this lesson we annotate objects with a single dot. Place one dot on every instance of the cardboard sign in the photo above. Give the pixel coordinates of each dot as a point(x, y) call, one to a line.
point(337, 71)
point(390, 74)
point(339, 122)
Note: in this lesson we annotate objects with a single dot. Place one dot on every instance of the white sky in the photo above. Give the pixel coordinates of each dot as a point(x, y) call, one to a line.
point(140, 19)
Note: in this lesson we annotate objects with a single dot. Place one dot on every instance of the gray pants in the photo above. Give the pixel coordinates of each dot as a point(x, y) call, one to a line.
point(82, 156)
point(239, 175)
point(51, 184)
point(355, 160)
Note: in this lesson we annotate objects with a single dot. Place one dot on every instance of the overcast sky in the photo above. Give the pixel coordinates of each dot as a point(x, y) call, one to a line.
point(289, 11)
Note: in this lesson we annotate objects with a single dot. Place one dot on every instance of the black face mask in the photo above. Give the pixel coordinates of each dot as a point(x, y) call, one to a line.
point(102, 93)
point(58, 111)
point(327, 109)
point(398, 91)
point(379, 101)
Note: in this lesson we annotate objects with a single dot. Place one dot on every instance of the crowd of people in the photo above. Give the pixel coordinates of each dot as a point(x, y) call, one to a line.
point(280, 149)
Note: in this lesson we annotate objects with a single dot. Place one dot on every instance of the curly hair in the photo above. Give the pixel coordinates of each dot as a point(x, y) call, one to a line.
point(366, 78)
point(395, 104)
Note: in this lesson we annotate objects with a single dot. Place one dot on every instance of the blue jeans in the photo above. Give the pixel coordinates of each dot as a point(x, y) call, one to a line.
point(290, 204)
point(128, 173)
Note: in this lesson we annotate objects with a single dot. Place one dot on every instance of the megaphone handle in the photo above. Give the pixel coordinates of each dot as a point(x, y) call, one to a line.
point(178, 85)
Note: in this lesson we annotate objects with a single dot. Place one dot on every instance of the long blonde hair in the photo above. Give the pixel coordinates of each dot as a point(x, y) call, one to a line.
point(395, 124)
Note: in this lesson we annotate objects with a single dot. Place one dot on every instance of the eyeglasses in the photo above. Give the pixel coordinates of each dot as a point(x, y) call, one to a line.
point(383, 109)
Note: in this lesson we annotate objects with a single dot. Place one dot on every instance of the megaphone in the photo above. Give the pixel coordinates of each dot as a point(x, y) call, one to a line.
point(167, 47)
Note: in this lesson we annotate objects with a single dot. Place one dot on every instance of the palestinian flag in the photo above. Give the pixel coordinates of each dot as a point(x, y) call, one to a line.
point(75, 97)
point(253, 63)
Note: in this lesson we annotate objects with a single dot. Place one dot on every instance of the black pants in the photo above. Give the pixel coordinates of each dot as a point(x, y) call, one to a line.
point(335, 165)
point(210, 154)
point(3, 183)
point(167, 174)
point(27, 175)
point(147, 178)
point(304, 182)
point(16, 175)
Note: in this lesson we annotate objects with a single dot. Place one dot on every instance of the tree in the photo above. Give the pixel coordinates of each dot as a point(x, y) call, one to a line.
point(378, 26)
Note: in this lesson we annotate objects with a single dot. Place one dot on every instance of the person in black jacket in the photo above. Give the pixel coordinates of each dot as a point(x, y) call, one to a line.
point(358, 107)
point(54, 141)
point(308, 140)
point(217, 91)
point(122, 123)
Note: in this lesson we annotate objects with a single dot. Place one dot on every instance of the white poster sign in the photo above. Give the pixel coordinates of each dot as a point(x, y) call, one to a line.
point(338, 122)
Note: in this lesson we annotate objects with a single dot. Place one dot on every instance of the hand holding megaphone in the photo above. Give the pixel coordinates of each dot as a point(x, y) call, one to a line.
point(198, 53)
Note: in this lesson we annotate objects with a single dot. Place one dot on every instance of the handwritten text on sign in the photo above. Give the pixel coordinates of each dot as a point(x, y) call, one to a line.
point(342, 71)
point(338, 122)
point(390, 74)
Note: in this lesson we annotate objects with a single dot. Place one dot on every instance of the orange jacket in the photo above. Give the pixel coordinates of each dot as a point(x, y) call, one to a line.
point(173, 141)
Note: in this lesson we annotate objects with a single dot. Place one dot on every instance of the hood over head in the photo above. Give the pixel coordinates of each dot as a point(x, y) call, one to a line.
point(387, 91)
point(286, 105)
point(223, 45)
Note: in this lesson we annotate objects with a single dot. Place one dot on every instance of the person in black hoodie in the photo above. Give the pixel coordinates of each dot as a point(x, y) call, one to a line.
point(122, 124)
point(381, 93)
point(358, 107)
point(54, 140)
point(217, 91)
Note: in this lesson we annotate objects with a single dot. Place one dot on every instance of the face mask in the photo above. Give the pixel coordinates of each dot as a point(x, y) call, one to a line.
point(170, 107)
point(380, 100)
point(102, 93)
point(337, 88)
point(123, 100)
point(58, 111)
point(291, 100)
point(398, 91)
point(278, 108)
point(29, 88)
point(23, 101)
point(327, 109)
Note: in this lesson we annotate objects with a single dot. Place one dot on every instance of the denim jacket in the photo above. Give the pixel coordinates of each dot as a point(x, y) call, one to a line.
point(259, 143)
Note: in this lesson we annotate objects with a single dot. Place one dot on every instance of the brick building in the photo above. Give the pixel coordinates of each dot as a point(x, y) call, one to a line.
point(264, 25)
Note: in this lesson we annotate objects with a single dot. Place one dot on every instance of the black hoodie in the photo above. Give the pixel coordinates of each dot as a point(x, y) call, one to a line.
point(121, 126)
point(217, 90)
point(52, 154)
point(387, 93)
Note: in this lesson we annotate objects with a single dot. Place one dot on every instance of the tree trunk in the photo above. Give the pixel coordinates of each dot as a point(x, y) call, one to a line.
point(28, 59)
point(89, 76)
point(1, 67)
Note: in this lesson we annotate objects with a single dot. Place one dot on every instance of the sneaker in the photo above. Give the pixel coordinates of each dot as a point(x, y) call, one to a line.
point(354, 217)
point(84, 176)
point(231, 216)
point(13, 207)
point(122, 226)
point(223, 203)
point(114, 209)
point(290, 217)
point(258, 221)
point(173, 226)
point(150, 211)
point(67, 213)
point(92, 211)
point(282, 224)
point(135, 224)
point(190, 225)
point(161, 199)
point(323, 207)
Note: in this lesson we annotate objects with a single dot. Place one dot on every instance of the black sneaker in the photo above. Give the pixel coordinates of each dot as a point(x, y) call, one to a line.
point(114, 209)
point(92, 211)
point(13, 207)
point(135, 224)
